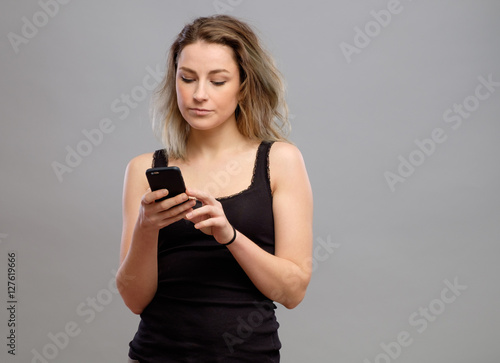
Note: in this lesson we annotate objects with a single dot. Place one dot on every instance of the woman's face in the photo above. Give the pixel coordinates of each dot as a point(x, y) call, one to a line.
point(207, 85)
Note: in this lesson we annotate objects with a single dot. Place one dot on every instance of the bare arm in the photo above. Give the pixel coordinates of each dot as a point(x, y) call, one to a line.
point(284, 276)
point(137, 277)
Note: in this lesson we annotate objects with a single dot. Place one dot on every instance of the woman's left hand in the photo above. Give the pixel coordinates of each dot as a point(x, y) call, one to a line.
point(210, 217)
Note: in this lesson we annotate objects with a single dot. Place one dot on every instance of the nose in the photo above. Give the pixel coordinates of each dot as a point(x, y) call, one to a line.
point(200, 93)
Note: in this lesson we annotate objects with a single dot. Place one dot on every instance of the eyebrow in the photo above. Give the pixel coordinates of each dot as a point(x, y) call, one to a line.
point(186, 69)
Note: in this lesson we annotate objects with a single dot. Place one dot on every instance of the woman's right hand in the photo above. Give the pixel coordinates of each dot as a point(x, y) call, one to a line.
point(157, 215)
point(143, 217)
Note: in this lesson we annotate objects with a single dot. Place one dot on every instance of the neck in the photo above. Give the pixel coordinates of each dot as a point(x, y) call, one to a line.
point(214, 142)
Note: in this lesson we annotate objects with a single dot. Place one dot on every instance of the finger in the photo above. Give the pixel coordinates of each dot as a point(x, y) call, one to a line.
point(204, 197)
point(151, 197)
point(168, 221)
point(204, 223)
point(179, 210)
point(174, 214)
point(173, 201)
point(214, 224)
point(206, 211)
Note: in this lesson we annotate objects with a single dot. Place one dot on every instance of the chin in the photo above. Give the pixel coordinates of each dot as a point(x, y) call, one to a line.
point(204, 124)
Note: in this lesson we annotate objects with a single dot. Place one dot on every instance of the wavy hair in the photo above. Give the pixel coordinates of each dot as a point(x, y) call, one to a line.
point(262, 112)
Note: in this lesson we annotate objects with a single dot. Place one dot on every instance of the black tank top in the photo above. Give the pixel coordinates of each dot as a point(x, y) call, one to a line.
point(206, 309)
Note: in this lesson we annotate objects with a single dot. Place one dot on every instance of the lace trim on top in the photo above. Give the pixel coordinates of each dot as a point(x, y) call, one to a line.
point(268, 170)
point(251, 182)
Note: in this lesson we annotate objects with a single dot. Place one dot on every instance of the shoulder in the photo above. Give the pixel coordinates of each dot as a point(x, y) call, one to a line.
point(285, 163)
point(283, 154)
point(142, 161)
point(137, 166)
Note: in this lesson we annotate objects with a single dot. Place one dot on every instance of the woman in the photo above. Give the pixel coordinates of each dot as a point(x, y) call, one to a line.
point(204, 279)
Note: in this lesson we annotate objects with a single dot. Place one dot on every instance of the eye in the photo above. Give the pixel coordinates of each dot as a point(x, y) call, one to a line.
point(221, 83)
point(187, 80)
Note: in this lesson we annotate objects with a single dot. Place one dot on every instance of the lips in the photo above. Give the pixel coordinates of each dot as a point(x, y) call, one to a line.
point(200, 111)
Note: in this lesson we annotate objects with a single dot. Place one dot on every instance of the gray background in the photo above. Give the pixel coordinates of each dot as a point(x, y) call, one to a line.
point(388, 253)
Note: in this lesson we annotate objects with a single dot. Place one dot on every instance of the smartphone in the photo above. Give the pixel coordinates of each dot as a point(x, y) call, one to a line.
point(168, 177)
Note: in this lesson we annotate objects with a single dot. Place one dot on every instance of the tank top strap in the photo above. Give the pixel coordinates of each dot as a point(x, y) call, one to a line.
point(262, 176)
point(159, 158)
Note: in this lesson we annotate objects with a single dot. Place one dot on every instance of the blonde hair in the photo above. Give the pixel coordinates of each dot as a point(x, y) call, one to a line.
point(262, 112)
